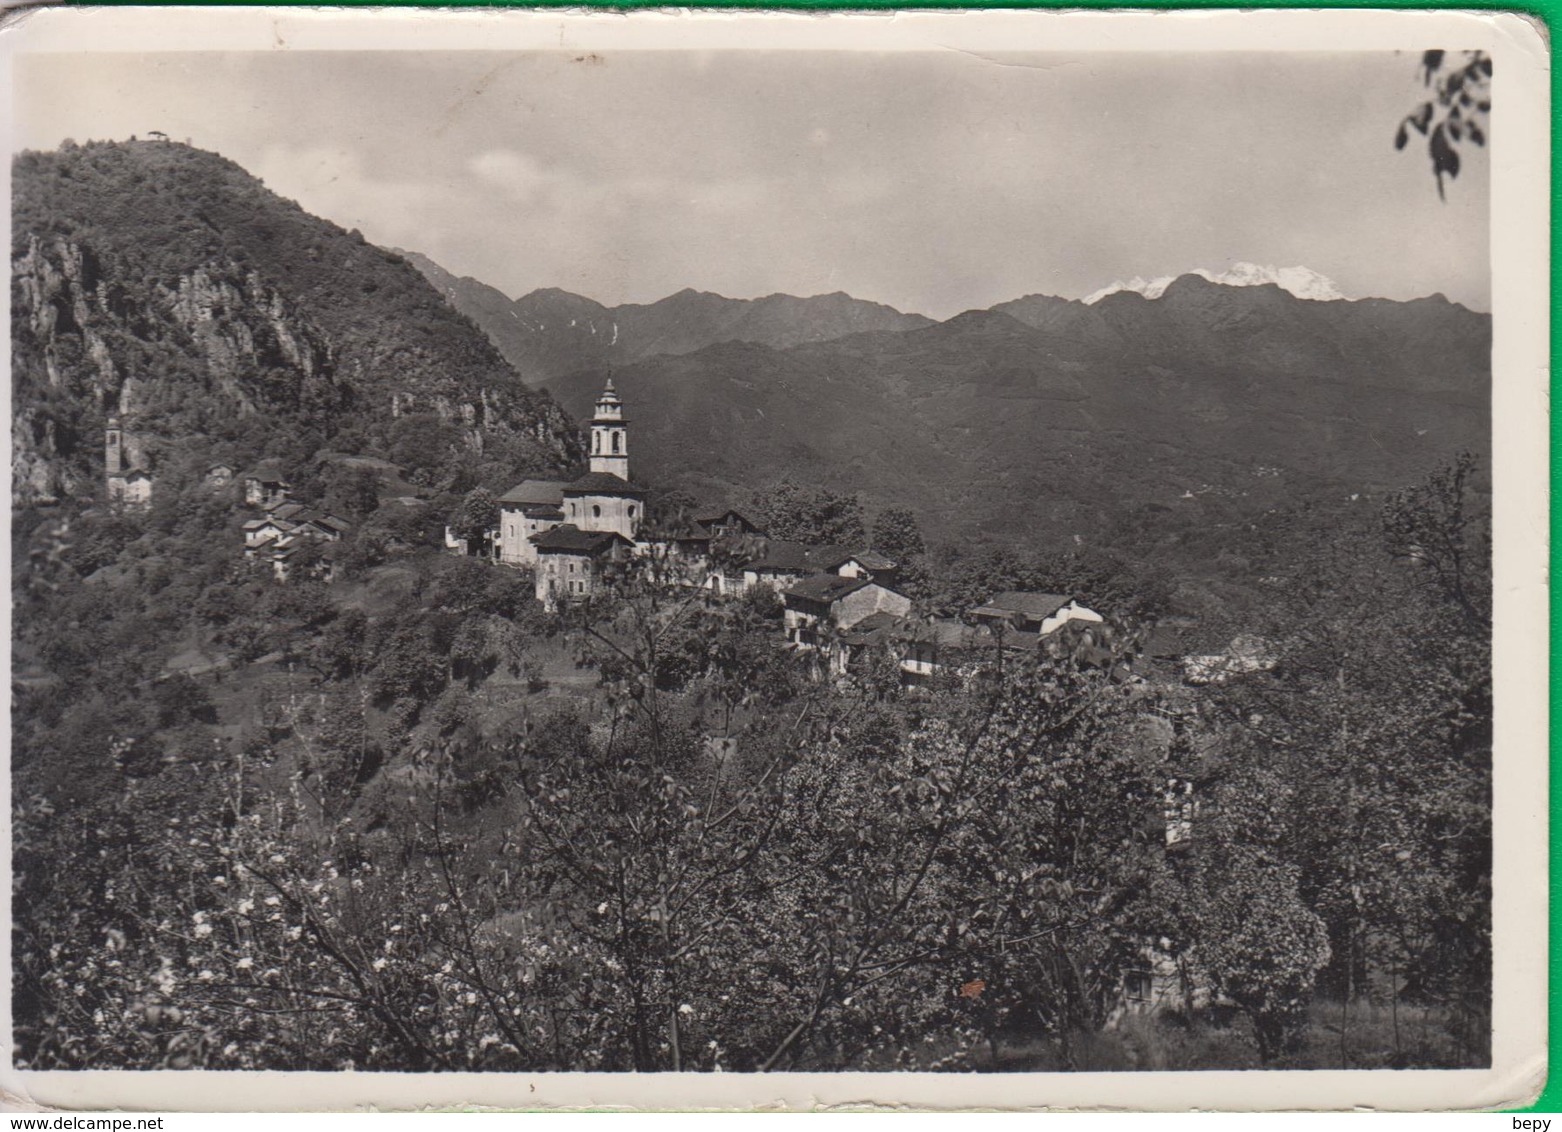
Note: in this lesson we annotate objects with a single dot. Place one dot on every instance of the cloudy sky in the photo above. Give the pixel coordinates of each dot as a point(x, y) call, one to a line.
point(933, 181)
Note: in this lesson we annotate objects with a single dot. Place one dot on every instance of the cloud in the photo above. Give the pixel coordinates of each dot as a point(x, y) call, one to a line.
point(517, 174)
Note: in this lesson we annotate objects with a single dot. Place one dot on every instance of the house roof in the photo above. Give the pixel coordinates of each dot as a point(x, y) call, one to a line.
point(535, 493)
point(873, 628)
point(332, 522)
point(602, 483)
point(942, 632)
point(779, 555)
point(570, 539)
point(709, 517)
point(828, 588)
point(1033, 606)
point(829, 558)
point(676, 529)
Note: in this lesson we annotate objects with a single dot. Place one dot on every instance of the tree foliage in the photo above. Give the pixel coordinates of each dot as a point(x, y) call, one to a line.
point(810, 514)
point(1456, 112)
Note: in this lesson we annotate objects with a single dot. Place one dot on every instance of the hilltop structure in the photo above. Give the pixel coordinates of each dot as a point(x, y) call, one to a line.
point(128, 481)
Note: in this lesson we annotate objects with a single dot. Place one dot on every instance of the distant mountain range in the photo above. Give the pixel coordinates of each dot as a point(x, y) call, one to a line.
point(1303, 282)
point(551, 332)
point(1208, 394)
point(1044, 416)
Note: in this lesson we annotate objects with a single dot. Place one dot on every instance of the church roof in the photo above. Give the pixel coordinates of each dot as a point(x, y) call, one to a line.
point(570, 539)
point(602, 483)
point(536, 493)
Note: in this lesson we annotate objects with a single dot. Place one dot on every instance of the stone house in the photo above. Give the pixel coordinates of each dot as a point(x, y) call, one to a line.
point(817, 607)
point(572, 564)
point(265, 486)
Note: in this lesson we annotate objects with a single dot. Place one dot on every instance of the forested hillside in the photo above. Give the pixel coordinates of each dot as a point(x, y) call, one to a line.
point(166, 284)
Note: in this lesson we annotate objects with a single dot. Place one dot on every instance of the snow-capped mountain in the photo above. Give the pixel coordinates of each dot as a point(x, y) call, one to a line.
point(1303, 282)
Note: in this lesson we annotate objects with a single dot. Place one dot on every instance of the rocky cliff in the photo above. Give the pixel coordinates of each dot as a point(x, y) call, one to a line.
point(164, 284)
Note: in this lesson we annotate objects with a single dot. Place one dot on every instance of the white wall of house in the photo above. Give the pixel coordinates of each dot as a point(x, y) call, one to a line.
point(1073, 611)
point(870, 599)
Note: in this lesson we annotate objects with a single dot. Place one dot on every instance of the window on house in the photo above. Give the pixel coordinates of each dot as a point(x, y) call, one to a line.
point(631, 510)
point(596, 511)
point(1137, 986)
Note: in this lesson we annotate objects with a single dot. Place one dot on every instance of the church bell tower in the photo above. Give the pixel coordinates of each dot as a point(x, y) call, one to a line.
point(610, 435)
point(113, 449)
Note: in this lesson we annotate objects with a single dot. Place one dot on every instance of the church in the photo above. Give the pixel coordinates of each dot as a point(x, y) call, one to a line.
point(571, 532)
point(128, 480)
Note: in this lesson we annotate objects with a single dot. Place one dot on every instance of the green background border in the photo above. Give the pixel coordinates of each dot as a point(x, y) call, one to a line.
point(1550, 1099)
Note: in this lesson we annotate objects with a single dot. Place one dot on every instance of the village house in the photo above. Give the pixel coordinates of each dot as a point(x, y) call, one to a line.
point(779, 565)
point(684, 554)
point(127, 480)
point(817, 607)
point(941, 644)
point(858, 564)
point(1035, 613)
point(278, 536)
point(572, 564)
point(265, 487)
point(219, 476)
point(728, 524)
point(708, 550)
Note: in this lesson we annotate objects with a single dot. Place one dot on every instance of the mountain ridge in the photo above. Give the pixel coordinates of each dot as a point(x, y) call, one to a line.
point(1302, 282)
point(1045, 415)
point(550, 331)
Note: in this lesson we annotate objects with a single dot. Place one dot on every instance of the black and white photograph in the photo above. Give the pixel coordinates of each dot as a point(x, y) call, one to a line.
point(622, 549)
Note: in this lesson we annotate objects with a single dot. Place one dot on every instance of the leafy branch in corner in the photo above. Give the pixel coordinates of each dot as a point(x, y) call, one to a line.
point(1461, 103)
